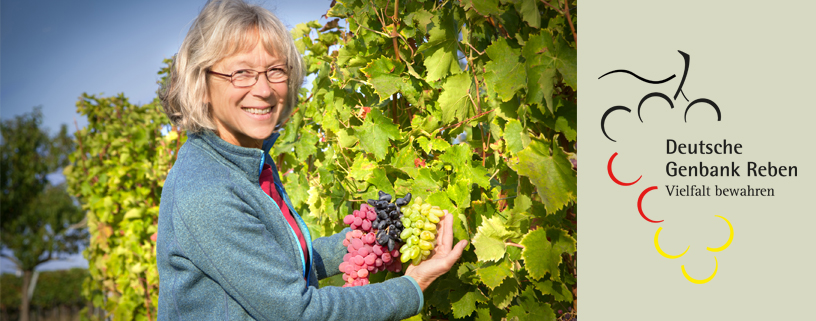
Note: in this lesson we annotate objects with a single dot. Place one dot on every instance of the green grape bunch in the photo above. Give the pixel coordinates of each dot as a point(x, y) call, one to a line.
point(419, 234)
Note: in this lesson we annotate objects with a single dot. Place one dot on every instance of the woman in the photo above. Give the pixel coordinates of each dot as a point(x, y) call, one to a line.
point(230, 245)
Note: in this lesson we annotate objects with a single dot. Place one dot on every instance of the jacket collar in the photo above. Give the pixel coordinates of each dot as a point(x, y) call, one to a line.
point(248, 160)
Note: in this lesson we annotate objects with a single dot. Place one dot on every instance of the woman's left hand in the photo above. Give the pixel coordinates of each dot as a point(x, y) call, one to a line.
point(443, 258)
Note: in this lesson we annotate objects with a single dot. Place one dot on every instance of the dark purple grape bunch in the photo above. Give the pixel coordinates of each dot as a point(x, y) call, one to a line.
point(388, 219)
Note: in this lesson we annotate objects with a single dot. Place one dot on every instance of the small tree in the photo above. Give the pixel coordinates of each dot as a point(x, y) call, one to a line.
point(36, 216)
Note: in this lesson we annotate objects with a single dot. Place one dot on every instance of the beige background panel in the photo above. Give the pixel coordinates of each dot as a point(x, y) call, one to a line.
point(757, 61)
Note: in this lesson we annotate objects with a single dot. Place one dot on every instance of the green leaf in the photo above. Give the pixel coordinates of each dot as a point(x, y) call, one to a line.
point(505, 74)
point(484, 7)
point(504, 293)
point(460, 193)
point(375, 133)
point(306, 145)
point(566, 62)
point(346, 138)
point(457, 154)
point(380, 180)
point(489, 239)
point(362, 168)
point(528, 9)
point(455, 99)
point(404, 161)
point(440, 50)
point(559, 291)
point(493, 275)
point(542, 256)
point(463, 301)
point(541, 84)
point(384, 75)
point(515, 136)
point(421, 19)
point(552, 175)
point(531, 308)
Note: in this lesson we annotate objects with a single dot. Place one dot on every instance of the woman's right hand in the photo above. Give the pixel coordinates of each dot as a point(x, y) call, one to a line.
point(443, 258)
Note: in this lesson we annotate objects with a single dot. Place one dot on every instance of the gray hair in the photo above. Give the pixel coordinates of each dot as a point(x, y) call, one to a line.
point(222, 29)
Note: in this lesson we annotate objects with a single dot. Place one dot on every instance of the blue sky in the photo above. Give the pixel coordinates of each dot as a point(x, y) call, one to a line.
point(53, 51)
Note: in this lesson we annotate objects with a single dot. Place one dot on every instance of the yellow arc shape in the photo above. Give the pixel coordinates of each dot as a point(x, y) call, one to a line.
point(730, 237)
point(696, 281)
point(664, 254)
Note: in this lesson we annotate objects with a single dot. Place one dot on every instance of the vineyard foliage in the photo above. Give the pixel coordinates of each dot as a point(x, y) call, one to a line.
point(121, 160)
point(469, 104)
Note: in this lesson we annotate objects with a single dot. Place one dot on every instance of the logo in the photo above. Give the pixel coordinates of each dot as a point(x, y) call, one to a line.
point(671, 103)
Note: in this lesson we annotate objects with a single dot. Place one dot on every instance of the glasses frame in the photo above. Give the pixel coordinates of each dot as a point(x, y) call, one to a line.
point(257, 75)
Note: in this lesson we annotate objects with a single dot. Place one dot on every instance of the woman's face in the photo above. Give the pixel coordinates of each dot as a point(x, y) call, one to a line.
point(246, 116)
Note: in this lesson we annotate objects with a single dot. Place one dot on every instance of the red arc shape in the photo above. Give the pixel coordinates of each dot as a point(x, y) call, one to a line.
point(640, 204)
point(612, 176)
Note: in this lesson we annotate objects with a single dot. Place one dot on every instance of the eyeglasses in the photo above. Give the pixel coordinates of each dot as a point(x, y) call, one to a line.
point(248, 77)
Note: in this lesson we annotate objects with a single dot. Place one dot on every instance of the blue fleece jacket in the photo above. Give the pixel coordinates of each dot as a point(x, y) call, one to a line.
point(226, 252)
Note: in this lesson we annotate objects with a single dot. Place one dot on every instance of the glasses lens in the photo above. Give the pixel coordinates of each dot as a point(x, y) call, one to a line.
point(244, 78)
point(277, 74)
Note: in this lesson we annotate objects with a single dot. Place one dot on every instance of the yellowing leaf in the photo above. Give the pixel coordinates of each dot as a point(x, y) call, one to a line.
point(552, 175)
point(489, 239)
point(493, 275)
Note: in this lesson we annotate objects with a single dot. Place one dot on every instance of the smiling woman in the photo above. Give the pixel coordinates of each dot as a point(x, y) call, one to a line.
point(229, 241)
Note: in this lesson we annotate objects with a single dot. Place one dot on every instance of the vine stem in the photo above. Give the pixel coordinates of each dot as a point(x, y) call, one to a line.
point(147, 298)
point(551, 6)
point(467, 120)
point(514, 244)
point(572, 26)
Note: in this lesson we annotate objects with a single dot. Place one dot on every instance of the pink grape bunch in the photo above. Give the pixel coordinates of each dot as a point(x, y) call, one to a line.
point(364, 255)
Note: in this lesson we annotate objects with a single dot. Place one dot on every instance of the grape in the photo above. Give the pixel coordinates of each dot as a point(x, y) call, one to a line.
point(420, 229)
point(365, 255)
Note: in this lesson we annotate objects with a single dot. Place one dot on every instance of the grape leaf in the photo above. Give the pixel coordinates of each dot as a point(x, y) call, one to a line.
point(558, 290)
point(483, 7)
point(375, 133)
point(542, 256)
point(424, 182)
point(489, 239)
point(457, 154)
point(540, 84)
point(380, 180)
point(463, 301)
point(346, 138)
point(552, 175)
point(362, 168)
point(384, 75)
point(515, 136)
point(404, 161)
point(566, 62)
point(504, 293)
point(440, 50)
point(305, 146)
point(528, 9)
point(493, 275)
point(505, 74)
point(420, 18)
point(477, 174)
point(531, 308)
point(460, 193)
point(455, 99)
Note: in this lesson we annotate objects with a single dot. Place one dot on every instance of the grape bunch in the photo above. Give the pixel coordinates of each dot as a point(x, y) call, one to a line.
point(388, 218)
point(419, 234)
point(364, 255)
